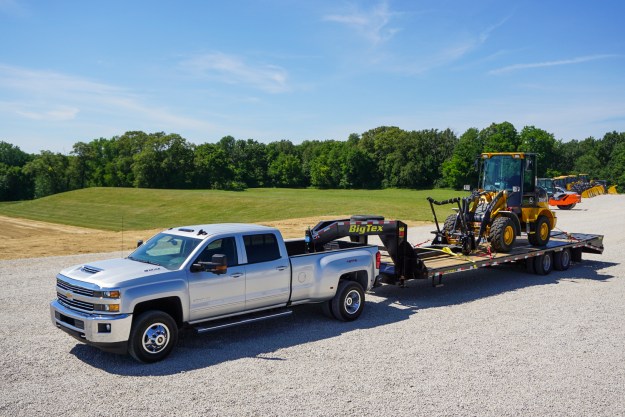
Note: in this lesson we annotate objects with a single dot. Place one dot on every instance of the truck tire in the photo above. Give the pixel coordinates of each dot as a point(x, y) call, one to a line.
point(542, 232)
point(562, 260)
point(502, 234)
point(543, 264)
point(349, 301)
point(153, 336)
point(326, 307)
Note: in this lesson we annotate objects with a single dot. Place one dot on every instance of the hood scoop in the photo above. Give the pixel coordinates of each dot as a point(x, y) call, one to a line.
point(90, 269)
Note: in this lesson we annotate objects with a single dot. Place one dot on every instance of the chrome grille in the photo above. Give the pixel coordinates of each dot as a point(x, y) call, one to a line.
point(73, 303)
point(73, 288)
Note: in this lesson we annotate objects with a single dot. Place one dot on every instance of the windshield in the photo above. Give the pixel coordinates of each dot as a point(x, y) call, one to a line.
point(501, 173)
point(166, 250)
point(546, 183)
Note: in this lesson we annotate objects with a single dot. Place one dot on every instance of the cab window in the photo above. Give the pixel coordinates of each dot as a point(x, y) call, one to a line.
point(261, 248)
point(226, 246)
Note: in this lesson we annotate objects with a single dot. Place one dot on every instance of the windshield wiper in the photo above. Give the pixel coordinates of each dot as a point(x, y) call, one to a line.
point(145, 261)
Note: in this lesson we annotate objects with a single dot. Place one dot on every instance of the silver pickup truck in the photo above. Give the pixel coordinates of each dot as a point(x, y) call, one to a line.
point(206, 277)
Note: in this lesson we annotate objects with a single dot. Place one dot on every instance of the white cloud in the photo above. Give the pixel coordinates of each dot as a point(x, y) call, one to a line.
point(60, 113)
point(370, 24)
point(572, 61)
point(233, 69)
point(55, 97)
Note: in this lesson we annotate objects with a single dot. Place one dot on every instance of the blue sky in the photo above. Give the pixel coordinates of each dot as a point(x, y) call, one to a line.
point(279, 69)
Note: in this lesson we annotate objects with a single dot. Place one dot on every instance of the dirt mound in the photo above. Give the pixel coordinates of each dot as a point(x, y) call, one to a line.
point(23, 238)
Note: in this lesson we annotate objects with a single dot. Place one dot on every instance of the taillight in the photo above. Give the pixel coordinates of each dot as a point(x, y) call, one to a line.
point(378, 258)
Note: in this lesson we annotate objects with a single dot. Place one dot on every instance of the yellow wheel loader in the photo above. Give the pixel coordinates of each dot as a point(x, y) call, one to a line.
point(507, 203)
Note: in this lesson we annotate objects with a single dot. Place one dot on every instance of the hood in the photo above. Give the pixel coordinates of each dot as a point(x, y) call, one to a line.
point(112, 272)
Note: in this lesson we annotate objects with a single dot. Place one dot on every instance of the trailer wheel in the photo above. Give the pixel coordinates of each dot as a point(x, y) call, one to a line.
point(562, 260)
point(543, 264)
point(541, 232)
point(152, 337)
point(502, 234)
point(576, 255)
point(529, 265)
point(349, 301)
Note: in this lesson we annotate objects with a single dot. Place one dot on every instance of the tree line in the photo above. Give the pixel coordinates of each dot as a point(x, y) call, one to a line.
point(384, 157)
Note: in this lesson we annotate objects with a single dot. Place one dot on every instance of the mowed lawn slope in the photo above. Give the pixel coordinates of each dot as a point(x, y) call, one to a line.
point(140, 209)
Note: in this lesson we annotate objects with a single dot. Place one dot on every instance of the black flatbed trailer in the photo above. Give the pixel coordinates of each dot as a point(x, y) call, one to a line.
point(403, 261)
point(435, 262)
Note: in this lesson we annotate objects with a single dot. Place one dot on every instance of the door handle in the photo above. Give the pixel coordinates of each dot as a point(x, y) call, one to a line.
point(237, 275)
point(281, 268)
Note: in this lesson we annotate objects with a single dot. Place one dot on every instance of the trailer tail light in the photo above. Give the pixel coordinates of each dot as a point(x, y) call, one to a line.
point(378, 259)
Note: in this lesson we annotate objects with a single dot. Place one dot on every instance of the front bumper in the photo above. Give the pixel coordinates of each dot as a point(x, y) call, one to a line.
point(107, 332)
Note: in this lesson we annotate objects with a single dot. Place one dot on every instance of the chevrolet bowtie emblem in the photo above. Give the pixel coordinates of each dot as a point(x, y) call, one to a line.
point(68, 294)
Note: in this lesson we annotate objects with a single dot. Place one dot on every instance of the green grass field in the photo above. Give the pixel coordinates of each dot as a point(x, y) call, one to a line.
point(104, 208)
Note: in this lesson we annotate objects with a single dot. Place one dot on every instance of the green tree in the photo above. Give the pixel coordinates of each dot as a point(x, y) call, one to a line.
point(286, 171)
point(326, 167)
point(249, 159)
point(15, 183)
point(212, 167)
point(500, 137)
point(49, 172)
point(615, 170)
point(164, 162)
point(542, 143)
point(460, 169)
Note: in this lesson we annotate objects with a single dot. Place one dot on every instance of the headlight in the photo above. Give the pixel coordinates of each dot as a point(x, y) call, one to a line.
point(111, 308)
point(107, 294)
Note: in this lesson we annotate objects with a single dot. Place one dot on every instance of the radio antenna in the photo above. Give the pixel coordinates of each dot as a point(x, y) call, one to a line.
point(122, 234)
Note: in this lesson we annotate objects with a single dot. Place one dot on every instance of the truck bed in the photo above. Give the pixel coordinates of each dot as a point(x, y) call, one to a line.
point(438, 263)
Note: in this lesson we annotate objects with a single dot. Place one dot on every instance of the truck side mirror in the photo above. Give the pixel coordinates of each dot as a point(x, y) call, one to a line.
point(139, 243)
point(218, 265)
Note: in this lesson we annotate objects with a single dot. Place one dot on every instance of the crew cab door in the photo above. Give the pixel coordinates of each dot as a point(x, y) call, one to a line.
point(211, 294)
point(268, 271)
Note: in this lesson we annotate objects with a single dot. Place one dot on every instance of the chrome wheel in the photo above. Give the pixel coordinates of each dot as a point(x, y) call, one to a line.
point(547, 263)
point(155, 338)
point(352, 301)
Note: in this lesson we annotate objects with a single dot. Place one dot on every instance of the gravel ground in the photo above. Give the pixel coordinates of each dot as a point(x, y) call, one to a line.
point(493, 342)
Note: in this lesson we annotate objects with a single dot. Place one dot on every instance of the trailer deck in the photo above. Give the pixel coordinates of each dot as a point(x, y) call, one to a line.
point(437, 261)
point(402, 261)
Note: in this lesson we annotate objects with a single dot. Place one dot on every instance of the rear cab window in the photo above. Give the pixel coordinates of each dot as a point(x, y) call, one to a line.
point(261, 248)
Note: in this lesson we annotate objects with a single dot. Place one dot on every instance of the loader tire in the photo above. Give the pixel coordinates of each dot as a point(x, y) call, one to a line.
point(502, 234)
point(448, 226)
point(541, 232)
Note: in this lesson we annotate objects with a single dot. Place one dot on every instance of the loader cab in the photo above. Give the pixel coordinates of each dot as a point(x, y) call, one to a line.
point(560, 181)
point(514, 172)
point(548, 184)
